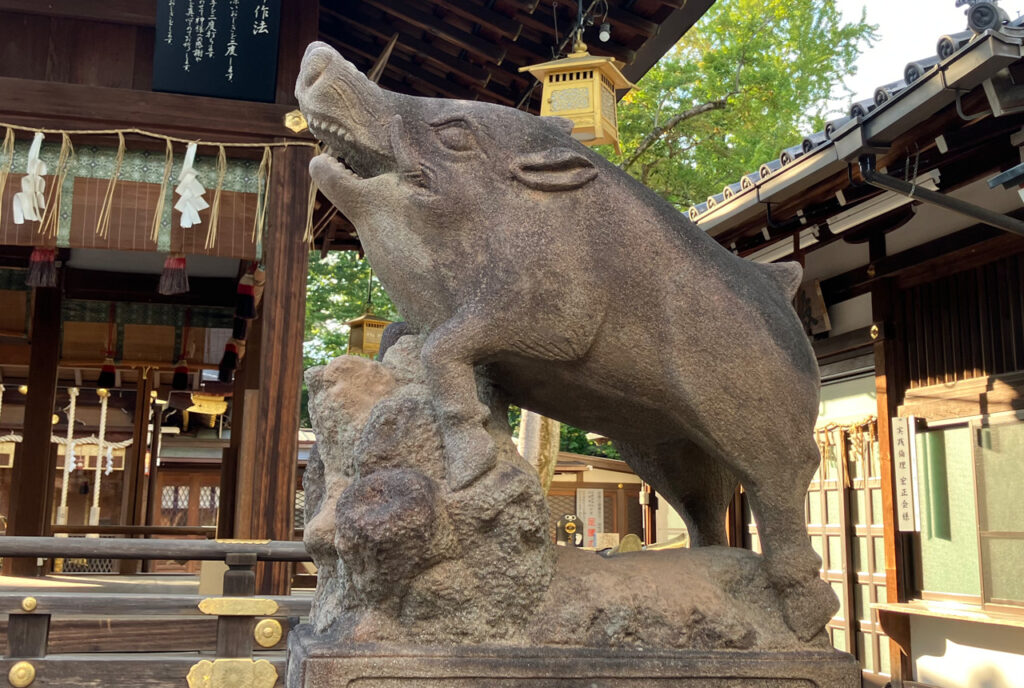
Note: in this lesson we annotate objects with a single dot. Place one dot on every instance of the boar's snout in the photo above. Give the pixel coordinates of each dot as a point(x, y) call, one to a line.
point(315, 62)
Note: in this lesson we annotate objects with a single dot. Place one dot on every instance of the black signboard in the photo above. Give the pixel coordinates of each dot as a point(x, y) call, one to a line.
point(223, 48)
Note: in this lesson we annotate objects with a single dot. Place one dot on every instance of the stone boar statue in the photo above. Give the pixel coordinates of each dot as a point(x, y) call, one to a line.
point(529, 260)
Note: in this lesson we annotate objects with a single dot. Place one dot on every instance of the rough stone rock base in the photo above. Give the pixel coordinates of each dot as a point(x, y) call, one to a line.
point(314, 664)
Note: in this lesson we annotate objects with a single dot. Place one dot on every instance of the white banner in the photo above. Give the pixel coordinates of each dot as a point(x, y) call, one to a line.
point(590, 511)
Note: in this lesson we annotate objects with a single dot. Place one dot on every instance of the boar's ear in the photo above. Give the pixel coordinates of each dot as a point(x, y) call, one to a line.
point(564, 125)
point(555, 169)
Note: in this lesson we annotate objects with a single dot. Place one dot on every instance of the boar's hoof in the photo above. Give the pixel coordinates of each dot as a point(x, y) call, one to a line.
point(470, 453)
point(808, 608)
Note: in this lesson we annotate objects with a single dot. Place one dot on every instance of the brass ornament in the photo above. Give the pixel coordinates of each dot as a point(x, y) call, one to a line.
point(21, 674)
point(570, 527)
point(238, 606)
point(29, 604)
point(875, 332)
point(232, 673)
point(268, 632)
point(296, 121)
point(230, 541)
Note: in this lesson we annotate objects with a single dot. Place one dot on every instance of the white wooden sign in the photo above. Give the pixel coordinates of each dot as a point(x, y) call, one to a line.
point(590, 510)
point(904, 465)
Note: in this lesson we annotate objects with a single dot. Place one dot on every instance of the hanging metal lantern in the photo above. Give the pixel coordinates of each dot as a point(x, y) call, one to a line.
point(582, 88)
point(364, 336)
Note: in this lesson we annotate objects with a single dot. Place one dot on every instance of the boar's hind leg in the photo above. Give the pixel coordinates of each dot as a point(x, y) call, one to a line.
point(776, 487)
point(693, 482)
point(449, 355)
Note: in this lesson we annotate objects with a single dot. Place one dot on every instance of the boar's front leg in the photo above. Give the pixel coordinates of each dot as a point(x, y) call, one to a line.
point(449, 355)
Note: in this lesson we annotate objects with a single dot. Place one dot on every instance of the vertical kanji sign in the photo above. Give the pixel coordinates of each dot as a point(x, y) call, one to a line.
point(223, 48)
point(904, 464)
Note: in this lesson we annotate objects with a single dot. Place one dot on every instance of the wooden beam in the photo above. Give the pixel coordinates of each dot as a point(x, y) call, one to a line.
point(45, 103)
point(131, 12)
point(300, 20)
point(383, 28)
point(97, 285)
point(439, 28)
point(34, 471)
point(482, 15)
point(275, 457)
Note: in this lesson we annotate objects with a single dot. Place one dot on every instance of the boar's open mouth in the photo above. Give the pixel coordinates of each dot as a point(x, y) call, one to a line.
point(339, 142)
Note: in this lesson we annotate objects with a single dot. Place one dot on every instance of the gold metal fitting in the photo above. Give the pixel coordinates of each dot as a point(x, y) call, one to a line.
point(102, 393)
point(238, 606)
point(296, 121)
point(29, 604)
point(232, 673)
point(21, 674)
point(268, 633)
point(875, 332)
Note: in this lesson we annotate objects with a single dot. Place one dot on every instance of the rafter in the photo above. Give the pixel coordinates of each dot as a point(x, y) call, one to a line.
point(500, 23)
point(383, 29)
point(437, 27)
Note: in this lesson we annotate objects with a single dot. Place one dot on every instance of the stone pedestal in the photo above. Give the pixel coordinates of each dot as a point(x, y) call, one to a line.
point(315, 664)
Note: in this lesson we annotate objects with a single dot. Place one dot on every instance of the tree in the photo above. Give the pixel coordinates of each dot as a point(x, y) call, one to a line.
point(752, 77)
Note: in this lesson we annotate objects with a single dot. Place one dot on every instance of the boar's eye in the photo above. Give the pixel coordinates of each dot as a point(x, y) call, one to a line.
point(455, 135)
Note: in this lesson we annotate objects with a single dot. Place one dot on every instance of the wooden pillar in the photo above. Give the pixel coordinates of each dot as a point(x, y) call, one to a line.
point(233, 516)
point(889, 387)
point(32, 479)
point(300, 26)
point(272, 436)
point(134, 487)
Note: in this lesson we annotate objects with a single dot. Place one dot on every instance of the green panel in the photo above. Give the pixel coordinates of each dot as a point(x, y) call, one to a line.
point(876, 506)
point(816, 544)
point(879, 543)
point(837, 588)
point(948, 541)
point(865, 651)
point(832, 506)
point(835, 553)
point(862, 601)
point(1004, 566)
point(1000, 477)
point(860, 554)
point(857, 510)
point(814, 509)
point(884, 666)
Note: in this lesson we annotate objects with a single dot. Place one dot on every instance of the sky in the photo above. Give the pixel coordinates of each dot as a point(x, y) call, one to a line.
point(908, 30)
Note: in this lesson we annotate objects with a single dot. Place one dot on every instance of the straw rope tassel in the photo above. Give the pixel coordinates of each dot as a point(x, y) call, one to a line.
point(262, 178)
point(6, 162)
point(161, 201)
point(307, 235)
point(94, 512)
point(222, 169)
point(69, 460)
point(103, 224)
point(51, 215)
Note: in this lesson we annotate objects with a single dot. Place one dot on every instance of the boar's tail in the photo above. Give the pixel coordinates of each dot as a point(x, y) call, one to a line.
point(787, 275)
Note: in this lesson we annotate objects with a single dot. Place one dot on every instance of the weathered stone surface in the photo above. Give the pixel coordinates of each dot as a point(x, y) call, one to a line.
point(400, 554)
point(313, 665)
point(538, 273)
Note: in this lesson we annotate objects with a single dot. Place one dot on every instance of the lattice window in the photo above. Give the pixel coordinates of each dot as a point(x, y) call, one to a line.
point(209, 504)
point(174, 504)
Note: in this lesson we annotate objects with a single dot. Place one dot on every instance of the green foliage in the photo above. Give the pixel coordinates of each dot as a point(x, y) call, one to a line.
point(767, 68)
point(336, 290)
